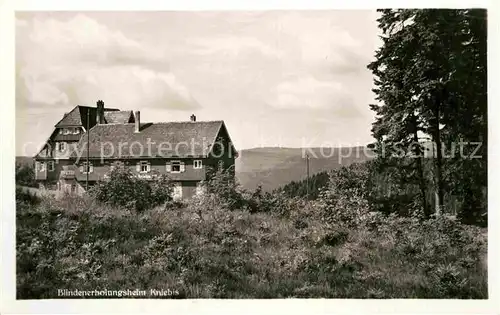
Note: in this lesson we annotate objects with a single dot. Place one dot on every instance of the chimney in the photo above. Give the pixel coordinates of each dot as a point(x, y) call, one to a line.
point(100, 112)
point(137, 121)
point(193, 117)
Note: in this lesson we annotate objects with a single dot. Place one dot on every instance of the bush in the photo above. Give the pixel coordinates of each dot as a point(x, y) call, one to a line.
point(25, 175)
point(223, 188)
point(75, 243)
point(25, 198)
point(230, 243)
point(275, 202)
point(123, 189)
point(344, 201)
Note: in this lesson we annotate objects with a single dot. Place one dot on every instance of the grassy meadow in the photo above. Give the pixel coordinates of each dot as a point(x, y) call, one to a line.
point(205, 248)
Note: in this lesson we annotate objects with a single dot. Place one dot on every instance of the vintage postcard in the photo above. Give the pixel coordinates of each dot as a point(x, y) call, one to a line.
point(248, 155)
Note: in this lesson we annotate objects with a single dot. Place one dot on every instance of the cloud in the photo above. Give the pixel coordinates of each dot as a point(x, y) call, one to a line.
point(280, 70)
point(310, 93)
point(318, 41)
point(83, 39)
point(232, 46)
point(131, 87)
point(80, 60)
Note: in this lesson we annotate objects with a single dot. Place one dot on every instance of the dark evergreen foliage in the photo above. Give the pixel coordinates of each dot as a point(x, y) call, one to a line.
point(316, 182)
point(25, 175)
point(431, 86)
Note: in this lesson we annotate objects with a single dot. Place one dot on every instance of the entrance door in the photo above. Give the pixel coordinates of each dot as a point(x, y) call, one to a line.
point(177, 192)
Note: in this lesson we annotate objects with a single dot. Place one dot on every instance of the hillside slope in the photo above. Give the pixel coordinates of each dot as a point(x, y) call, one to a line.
point(274, 167)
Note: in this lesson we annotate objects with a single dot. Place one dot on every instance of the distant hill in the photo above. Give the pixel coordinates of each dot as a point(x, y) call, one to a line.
point(274, 167)
point(24, 160)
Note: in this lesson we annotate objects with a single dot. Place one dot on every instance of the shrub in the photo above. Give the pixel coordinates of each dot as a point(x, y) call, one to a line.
point(344, 200)
point(222, 186)
point(25, 175)
point(24, 197)
point(124, 189)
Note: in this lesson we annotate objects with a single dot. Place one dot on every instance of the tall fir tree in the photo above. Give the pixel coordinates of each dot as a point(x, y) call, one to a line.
point(431, 82)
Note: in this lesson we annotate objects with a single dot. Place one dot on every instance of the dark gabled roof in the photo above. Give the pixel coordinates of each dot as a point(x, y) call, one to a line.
point(41, 153)
point(179, 139)
point(119, 117)
point(78, 116)
point(73, 118)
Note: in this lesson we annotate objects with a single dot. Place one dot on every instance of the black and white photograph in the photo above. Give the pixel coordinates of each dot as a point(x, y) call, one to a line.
point(251, 154)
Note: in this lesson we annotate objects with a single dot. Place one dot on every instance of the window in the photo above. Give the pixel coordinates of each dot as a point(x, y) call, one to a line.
point(66, 131)
point(143, 167)
point(86, 169)
point(197, 164)
point(73, 187)
point(50, 166)
point(41, 166)
point(62, 146)
point(76, 131)
point(176, 167)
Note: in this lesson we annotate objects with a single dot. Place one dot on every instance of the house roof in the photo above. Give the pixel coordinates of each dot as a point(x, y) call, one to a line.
point(78, 116)
point(169, 139)
point(118, 117)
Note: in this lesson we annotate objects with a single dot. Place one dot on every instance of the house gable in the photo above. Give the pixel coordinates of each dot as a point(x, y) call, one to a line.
point(223, 134)
point(78, 116)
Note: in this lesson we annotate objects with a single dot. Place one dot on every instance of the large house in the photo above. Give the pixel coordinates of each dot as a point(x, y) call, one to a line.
point(107, 138)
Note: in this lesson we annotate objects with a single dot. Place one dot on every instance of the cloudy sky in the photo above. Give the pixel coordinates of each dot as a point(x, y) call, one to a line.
point(277, 78)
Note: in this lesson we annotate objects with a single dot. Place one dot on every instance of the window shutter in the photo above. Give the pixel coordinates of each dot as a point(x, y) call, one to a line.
point(91, 168)
point(168, 167)
point(149, 167)
point(81, 168)
point(57, 146)
point(138, 167)
point(182, 167)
